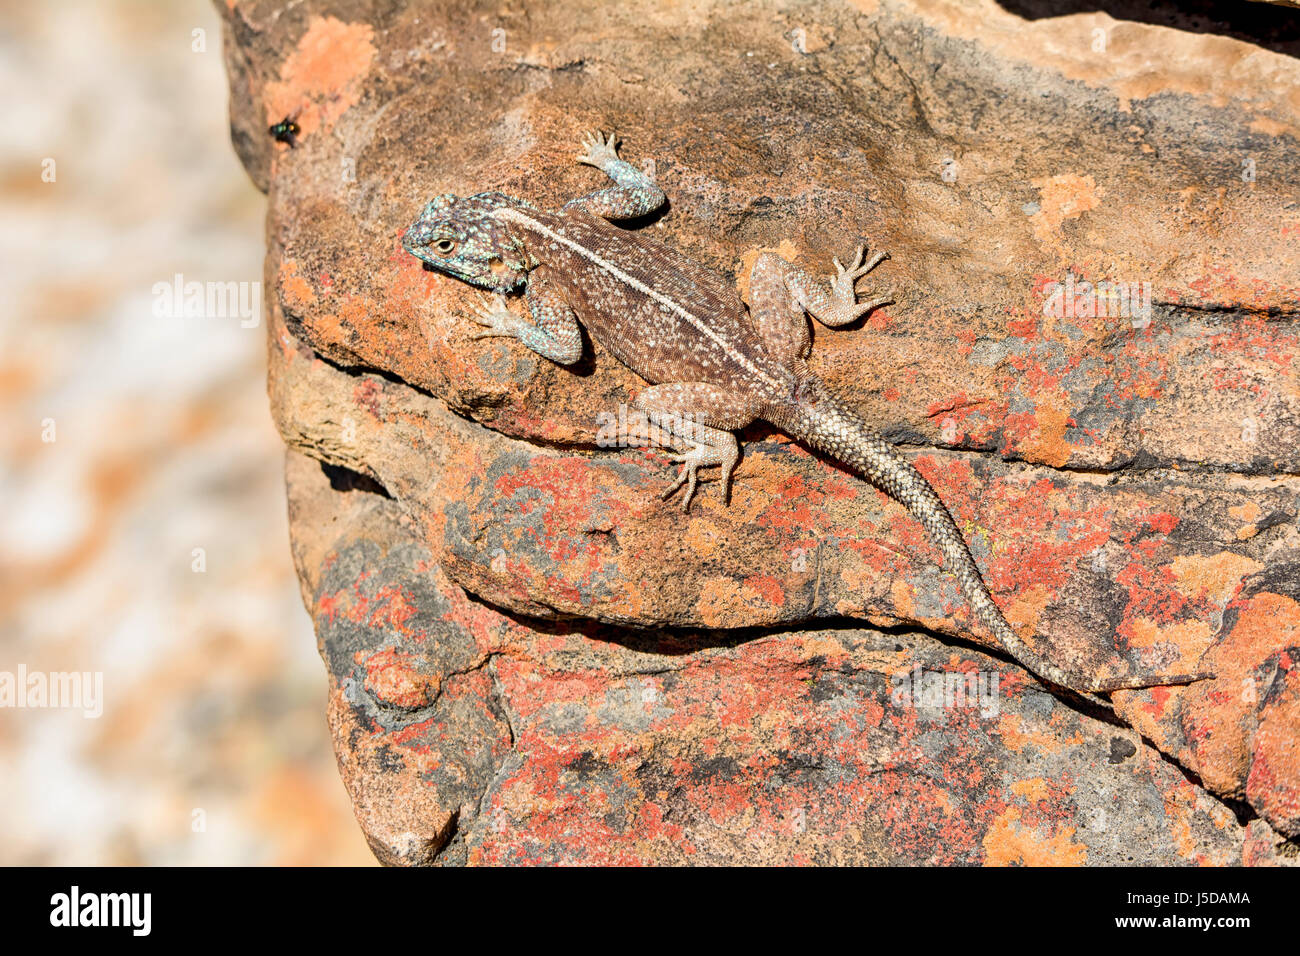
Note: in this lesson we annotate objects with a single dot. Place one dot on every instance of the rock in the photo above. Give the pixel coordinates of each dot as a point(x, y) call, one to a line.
point(573, 744)
point(534, 659)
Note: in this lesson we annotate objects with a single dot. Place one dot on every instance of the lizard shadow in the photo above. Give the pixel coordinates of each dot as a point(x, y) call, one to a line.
point(644, 220)
point(673, 642)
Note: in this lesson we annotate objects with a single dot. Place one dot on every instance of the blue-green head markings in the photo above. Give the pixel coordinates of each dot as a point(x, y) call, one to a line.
point(458, 236)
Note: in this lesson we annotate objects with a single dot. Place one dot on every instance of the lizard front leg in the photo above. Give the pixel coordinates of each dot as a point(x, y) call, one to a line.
point(554, 331)
point(700, 416)
point(636, 193)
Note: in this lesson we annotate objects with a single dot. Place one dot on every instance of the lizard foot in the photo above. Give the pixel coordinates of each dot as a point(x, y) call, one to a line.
point(598, 149)
point(697, 458)
point(845, 295)
point(497, 320)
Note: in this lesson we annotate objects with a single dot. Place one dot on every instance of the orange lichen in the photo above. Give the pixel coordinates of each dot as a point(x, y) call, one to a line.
point(321, 79)
point(1008, 842)
point(1062, 197)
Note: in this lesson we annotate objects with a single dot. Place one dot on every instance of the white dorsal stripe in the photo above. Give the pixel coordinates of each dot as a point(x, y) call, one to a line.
point(621, 276)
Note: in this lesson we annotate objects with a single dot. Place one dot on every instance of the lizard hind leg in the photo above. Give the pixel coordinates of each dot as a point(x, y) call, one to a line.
point(841, 305)
point(724, 453)
point(699, 417)
point(780, 293)
point(778, 316)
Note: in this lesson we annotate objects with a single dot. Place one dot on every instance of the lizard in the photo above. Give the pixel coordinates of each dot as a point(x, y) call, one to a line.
point(713, 367)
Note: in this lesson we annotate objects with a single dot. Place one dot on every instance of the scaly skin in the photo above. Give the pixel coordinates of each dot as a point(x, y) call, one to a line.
point(713, 369)
point(840, 433)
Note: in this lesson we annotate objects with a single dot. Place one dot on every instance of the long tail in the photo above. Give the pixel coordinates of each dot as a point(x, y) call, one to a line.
point(836, 430)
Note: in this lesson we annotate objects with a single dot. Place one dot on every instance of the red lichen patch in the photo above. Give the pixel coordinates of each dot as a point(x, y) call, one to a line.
point(1156, 596)
point(967, 339)
point(879, 319)
point(389, 607)
point(795, 505)
point(1137, 376)
point(367, 394)
point(1028, 550)
point(321, 79)
point(1246, 350)
point(960, 418)
point(767, 588)
point(1022, 324)
point(567, 494)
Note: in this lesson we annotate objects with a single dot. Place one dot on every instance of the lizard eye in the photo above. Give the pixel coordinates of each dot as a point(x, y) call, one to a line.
point(445, 246)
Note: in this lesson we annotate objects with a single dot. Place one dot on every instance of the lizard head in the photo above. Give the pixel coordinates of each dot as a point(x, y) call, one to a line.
point(460, 237)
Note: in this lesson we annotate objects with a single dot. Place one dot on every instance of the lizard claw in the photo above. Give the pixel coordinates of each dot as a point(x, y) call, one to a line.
point(857, 261)
point(695, 459)
point(843, 285)
point(598, 149)
point(859, 268)
point(492, 313)
point(862, 269)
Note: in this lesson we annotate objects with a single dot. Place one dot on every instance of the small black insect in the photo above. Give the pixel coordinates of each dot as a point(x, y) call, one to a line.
point(286, 131)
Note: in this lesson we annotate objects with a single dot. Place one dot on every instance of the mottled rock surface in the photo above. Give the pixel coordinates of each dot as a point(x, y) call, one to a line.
point(534, 659)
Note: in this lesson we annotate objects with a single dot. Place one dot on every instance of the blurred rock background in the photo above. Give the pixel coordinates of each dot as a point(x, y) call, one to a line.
point(212, 747)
